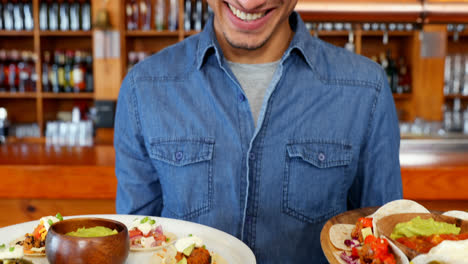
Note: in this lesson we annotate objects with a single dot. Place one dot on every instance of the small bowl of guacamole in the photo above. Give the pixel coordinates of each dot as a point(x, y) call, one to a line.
point(87, 240)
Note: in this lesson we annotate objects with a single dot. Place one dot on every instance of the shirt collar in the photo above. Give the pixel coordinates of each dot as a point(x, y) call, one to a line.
point(302, 42)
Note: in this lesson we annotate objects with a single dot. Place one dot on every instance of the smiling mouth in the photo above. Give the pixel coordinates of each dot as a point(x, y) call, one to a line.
point(247, 16)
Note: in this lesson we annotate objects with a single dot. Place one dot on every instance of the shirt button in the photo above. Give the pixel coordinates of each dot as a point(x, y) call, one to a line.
point(321, 156)
point(251, 156)
point(241, 97)
point(179, 155)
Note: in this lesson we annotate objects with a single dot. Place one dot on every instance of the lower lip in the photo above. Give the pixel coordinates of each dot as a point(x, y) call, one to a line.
point(246, 25)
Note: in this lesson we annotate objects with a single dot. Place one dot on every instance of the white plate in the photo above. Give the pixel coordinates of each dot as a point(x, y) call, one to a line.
point(229, 247)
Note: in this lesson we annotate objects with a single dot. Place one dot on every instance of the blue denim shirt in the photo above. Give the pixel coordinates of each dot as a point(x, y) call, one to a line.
point(327, 141)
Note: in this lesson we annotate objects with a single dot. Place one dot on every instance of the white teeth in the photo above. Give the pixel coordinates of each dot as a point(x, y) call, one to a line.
point(245, 16)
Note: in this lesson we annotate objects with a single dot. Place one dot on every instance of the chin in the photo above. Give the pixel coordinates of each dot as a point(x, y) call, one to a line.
point(246, 45)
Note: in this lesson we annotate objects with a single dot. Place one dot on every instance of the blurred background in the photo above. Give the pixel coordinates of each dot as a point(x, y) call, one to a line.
point(62, 63)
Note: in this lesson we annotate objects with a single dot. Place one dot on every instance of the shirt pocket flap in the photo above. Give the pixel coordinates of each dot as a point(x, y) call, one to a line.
point(182, 152)
point(320, 154)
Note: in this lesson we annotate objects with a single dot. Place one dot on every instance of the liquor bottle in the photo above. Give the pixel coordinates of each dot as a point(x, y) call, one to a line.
point(13, 79)
point(132, 14)
point(3, 66)
point(89, 73)
point(18, 15)
point(28, 15)
point(160, 14)
point(46, 68)
point(32, 65)
point(86, 15)
point(68, 71)
point(23, 73)
point(145, 14)
point(61, 71)
point(404, 80)
point(54, 74)
point(74, 15)
point(64, 15)
point(173, 14)
point(79, 71)
point(188, 15)
point(384, 63)
point(43, 11)
point(392, 72)
point(53, 15)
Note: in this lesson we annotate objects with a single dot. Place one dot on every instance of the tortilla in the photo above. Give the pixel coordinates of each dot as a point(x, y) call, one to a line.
point(172, 238)
point(39, 254)
point(400, 257)
point(396, 207)
point(167, 256)
point(339, 233)
point(457, 214)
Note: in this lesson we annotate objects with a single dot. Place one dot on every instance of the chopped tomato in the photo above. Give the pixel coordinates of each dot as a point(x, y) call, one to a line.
point(365, 221)
point(159, 237)
point(134, 233)
point(36, 233)
point(355, 252)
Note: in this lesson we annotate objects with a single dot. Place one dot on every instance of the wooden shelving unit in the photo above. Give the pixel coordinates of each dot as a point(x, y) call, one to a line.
point(38, 107)
point(151, 33)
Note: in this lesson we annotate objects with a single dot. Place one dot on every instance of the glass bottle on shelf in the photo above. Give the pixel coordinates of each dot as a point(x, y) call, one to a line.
point(404, 78)
point(54, 74)
point(43, 11)
point(1, 15)
point(145, 14)
point(8, 16)
point(64, 15)
point(79, 70)
point(68, 70)
point(46, 68)
point(173, 14)
point(392, 72)
point(3, 66)
point(86, 15)
point(61, 71)
point(160, 14)
point(188, 15)
point(53, 15)
point(28, 15)
point(74, 15)
point(32, 64)
point(13, 78)
point(18, 18)
point(198, 15)
point(89, 73)
point(132, 14)
point(23, 73)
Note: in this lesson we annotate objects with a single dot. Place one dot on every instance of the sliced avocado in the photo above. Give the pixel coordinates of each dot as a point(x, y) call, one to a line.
point(182, 261)
point(187, 251)
point(365, 232)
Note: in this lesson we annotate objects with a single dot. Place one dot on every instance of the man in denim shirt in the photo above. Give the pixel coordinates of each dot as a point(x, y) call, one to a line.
point(325, 140)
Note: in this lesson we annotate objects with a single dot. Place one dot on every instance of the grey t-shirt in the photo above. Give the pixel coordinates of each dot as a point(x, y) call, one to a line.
point(254, 80)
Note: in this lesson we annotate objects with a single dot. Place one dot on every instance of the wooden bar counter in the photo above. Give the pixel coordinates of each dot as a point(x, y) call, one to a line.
point(38, 180)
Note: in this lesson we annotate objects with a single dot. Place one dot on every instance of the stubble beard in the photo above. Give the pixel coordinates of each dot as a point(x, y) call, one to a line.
point(244, 46)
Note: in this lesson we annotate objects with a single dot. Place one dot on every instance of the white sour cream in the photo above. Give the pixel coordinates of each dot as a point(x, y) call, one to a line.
point(145, 228)
point(5, 253)
point(186, 242)
point(447, 252)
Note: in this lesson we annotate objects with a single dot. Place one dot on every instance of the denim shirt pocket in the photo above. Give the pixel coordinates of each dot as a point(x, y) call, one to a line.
point(184, 167)
point(314, 179)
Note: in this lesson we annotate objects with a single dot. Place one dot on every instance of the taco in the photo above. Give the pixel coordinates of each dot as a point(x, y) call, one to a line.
point(445, 252)
point(396, 207)
point(12, 255)
point(188, 250)
point(34, 243)
point(146, 235)
point(457, 214)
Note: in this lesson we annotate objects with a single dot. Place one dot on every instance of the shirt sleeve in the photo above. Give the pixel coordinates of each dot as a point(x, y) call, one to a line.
point(378, 178)
point(138, 187)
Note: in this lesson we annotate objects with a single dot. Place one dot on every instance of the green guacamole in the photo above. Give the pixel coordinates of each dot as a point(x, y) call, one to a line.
point(423, 227)
point(98, 231)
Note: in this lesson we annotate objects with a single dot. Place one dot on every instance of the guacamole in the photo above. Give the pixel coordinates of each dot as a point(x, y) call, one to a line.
point(97, 231)
point(423, 227)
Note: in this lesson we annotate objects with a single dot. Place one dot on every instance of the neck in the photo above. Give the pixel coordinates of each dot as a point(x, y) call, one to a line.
point(271, 51)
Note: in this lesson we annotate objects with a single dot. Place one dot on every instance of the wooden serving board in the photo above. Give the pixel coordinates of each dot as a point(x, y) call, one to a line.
point(349, 217)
